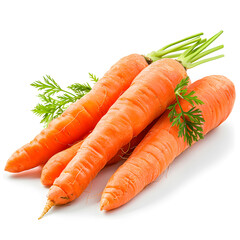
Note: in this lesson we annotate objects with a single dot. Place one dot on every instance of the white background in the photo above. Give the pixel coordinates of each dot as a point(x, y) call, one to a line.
point(197, 198)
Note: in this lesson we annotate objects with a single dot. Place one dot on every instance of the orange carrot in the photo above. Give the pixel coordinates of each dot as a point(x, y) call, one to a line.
point(162, 144)
point(83, 115)
point(59, 161)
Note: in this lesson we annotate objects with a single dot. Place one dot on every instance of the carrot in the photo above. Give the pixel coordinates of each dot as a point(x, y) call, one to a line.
point(82, 116)
point(56, 164)
point(147, 98)
point(162, 144)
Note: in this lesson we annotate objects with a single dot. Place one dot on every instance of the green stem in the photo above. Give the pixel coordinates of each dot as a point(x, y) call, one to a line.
point(162, 53)
point(195, 52)
point(204, 46)
point(207, 52)
point(175, 55)
point(205, 60)
point(156, 55)
point(183, 48)
point(182, 40)
point(180, 109)
point(190, 49)
point(172, 55)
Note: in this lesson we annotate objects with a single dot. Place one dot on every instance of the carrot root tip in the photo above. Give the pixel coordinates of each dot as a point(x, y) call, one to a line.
point(47, 207)
point(103, 204)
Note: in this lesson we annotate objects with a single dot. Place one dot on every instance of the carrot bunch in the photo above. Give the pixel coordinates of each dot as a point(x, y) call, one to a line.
point(143, 110)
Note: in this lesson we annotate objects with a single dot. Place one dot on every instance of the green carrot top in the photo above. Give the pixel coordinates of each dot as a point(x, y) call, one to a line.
point(194, 51)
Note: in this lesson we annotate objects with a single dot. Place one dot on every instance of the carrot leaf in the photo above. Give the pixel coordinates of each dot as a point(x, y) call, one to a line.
point(189, 122)
point(55, 100)
point(93, 77)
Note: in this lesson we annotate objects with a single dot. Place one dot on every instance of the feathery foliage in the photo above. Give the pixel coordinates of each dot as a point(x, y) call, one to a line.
point(190, 122)
point(54, 99)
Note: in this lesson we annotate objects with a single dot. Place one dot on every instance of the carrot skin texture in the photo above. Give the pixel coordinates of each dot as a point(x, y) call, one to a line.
point(146, 99)
point(162, 145)
point(80, 117)
point(126, 150)
point(56, 164)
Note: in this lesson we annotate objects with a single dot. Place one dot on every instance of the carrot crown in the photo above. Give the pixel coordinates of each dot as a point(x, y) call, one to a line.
point(174, 49)
point(195, 52)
